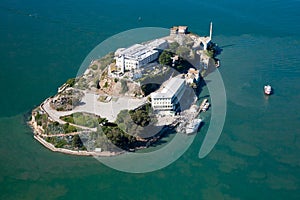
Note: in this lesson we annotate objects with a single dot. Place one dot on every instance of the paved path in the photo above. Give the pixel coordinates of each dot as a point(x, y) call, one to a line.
point(90, 104)
point(63, 134)
point(55, 115)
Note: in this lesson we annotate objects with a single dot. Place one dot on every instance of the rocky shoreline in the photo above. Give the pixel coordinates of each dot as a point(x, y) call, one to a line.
point(38, 132)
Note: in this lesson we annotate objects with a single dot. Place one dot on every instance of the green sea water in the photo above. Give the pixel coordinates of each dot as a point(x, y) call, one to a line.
point(42, 44)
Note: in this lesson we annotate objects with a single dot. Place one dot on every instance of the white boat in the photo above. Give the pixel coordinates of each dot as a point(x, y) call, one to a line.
point(192, 126)
point(205, 107)
point(268, 89)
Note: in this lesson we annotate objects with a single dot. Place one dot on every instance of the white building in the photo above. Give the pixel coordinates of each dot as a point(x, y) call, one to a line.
point(139, 55)
point(168, 98)
point(192, 76)
point(178, 30)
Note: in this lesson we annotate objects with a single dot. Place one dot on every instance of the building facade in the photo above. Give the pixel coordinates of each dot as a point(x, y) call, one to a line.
point(168, 98)
point(139, 55)
point(178, 30)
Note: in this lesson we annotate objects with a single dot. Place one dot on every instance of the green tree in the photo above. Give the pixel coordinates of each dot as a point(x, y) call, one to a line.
point(60, 143)
point(76, 141)
point(173, 46)
point(141, 116)
point(213, 50)
point(56, 123)
point(71, 82)
point(149, 88)
point(102, 121)
point(69, 128)
point(119, 137)
point(165, 58)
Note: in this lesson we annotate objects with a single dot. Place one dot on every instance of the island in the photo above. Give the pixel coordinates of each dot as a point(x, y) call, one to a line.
point(130, 98)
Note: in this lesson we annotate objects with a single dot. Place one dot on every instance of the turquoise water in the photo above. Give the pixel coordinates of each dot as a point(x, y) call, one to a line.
point(43, 43)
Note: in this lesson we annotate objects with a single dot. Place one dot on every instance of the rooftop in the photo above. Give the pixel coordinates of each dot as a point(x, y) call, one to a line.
point(179, 29)
point(156, 43)
point(170, 89)
point(193, 71)
point(137, 51)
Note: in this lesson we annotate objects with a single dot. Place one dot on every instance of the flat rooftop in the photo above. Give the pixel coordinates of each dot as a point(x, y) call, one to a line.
point(170, 89)
point(137, 52)
point(156, 43)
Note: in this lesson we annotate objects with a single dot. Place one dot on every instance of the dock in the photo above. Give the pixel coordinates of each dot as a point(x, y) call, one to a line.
point(202, 105)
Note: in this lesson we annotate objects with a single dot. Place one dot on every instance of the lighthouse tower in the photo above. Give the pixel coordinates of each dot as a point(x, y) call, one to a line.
point(210, 31)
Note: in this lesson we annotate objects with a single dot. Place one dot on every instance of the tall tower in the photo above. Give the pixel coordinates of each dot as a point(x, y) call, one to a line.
point(210, 31)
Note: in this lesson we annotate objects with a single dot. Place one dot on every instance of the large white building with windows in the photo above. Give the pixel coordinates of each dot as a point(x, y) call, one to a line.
point(168, 98)
point(139, 55)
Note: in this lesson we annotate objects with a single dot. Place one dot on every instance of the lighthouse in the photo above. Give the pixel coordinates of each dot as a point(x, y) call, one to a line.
point(204, 41)
point(210, 31)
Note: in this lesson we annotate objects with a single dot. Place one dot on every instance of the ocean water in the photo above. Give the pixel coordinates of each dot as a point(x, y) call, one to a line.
point(42, 44)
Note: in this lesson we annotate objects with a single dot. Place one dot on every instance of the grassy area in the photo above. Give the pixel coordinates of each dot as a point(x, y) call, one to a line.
point(58, 142)
point(94, 67)
point(68, 128)
point(82, 84)
point(53, 128)
point(209, 53)
point(41, 118)
point(69, 142)
point(83, 119)
point(106, 60)
point(71, 82)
